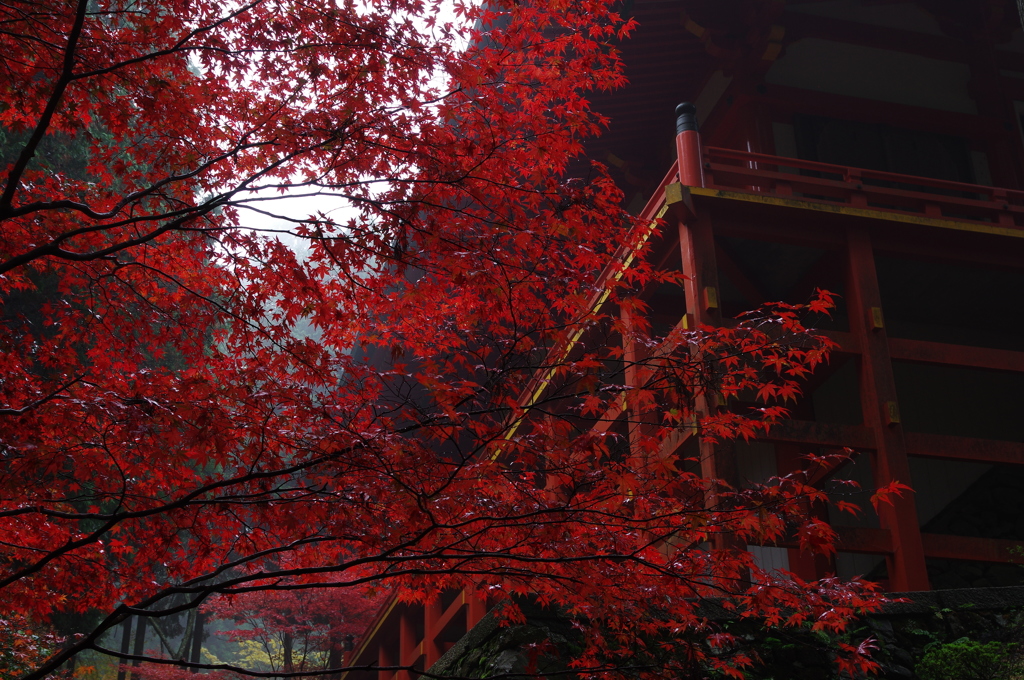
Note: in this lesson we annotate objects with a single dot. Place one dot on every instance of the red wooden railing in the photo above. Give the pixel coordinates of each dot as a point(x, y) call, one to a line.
point(404, 637)
point(729, 169)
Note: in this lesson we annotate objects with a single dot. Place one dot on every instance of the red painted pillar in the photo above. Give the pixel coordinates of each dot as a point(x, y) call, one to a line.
point(697, 249)
point(408, 646)
point(431, 620)
point(476, 607)
point(635, 357)
point(688, 151)
point(906, 564)
point(383, 661)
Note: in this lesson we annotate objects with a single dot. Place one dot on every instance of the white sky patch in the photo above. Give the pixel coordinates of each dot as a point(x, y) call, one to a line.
point(279, 214)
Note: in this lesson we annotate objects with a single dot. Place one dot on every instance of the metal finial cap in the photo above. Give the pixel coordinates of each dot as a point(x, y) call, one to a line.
point(686, 117)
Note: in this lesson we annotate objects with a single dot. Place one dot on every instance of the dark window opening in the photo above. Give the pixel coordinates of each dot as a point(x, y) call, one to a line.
point(882, 147)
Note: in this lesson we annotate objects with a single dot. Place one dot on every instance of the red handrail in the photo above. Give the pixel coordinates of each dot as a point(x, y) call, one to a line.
point(730, 169)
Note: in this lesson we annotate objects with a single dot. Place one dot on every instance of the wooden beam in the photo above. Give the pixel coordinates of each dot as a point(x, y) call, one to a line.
point(476, 607)
point(948, 547)
point(750, 220)
point(608, 419)
point(675, 441)
point(739, 278)
point(870, 214)
point(856, 540)
point(848, 342)
point(820, 473)
point(956, 355)
point(964, 448)
point(822, 434)
point(451, 612)
point(822, 274)
point(748, 172)
point(864, 540)
point(940, 546)
point(948, 246)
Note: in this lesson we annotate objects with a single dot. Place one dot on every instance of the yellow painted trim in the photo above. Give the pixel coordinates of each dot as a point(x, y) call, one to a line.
point(857, 212)
point(595, 308)
point(367, 639)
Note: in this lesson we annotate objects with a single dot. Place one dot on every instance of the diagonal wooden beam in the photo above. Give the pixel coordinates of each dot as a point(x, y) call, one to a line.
point(738, 277)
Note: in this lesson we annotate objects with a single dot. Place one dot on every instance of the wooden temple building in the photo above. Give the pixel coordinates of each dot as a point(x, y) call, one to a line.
point(874, 148)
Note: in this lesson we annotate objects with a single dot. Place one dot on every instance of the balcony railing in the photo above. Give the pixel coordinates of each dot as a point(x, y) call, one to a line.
point(916, 198)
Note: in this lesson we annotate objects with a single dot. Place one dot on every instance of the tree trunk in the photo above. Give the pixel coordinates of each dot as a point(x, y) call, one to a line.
point(289, 642)
point(197, 638)
point(336, 655)
point(126, 642)
point(140, 640)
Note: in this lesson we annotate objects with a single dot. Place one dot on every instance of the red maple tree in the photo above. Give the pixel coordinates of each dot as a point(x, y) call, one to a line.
point(299, 630)
point(166, 435)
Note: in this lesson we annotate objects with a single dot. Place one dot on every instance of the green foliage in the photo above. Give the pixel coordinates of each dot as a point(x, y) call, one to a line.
point(58, 152)
point(967, 659)
point(23, 644)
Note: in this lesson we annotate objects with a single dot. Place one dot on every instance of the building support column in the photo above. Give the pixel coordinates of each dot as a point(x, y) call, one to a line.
point(634, 356)
point(476, 607)
point(431, 629)
point(383, 661)
point(906, 565)
point(697, 246)
point(408, 645)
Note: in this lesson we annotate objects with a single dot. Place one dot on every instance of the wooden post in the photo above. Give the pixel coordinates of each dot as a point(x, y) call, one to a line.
point(688, 151)
point(383, 661)
point(476, 607)
point(697, 247)
point(633, 356)
point(431, 618)
point(408, 650)
point(880, 406)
